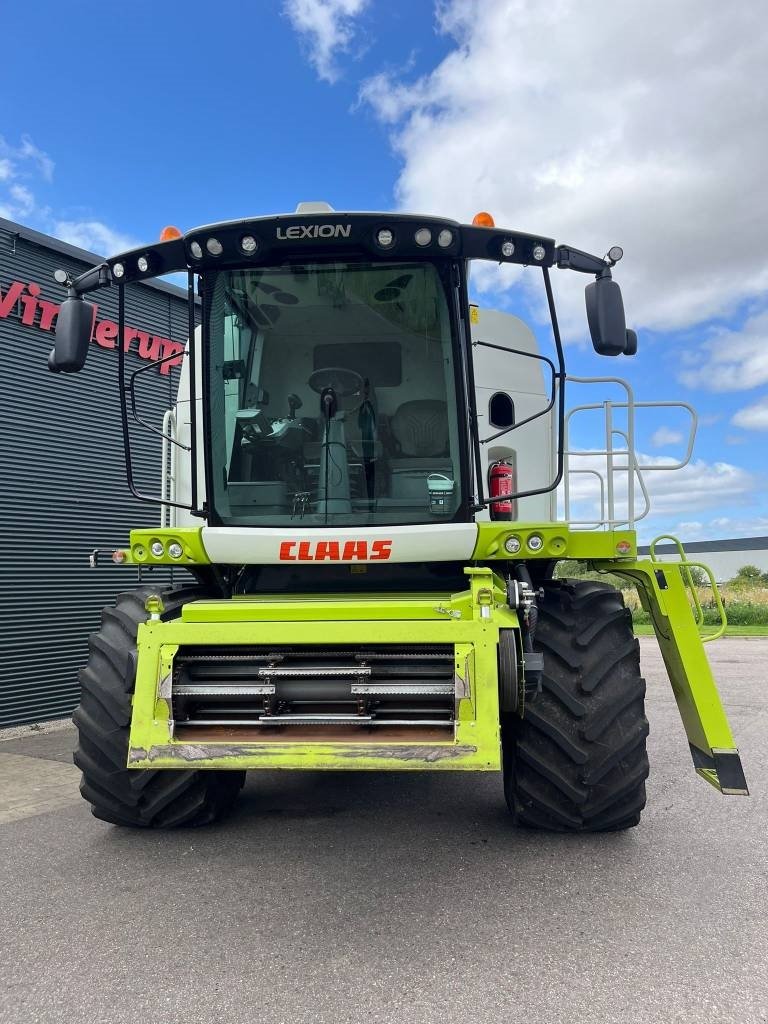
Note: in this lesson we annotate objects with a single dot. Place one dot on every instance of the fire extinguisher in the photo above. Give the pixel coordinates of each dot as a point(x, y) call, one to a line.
point(501, 481)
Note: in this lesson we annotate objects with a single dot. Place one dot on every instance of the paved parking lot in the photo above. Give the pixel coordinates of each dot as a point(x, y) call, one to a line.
point(380, 897)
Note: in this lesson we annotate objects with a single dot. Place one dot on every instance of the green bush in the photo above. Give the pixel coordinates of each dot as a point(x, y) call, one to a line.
point(739, 613)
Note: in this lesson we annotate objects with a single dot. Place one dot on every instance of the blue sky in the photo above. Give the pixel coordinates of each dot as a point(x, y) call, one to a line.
point(636, 124)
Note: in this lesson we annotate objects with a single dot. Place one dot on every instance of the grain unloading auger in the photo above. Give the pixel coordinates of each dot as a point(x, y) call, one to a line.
point(359, 477)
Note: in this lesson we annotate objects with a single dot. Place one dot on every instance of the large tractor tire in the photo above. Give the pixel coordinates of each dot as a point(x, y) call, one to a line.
point(140, 798)
point(576, 759)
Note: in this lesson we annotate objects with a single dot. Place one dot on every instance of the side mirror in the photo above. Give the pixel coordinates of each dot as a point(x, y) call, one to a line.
point(605, 313)
point(74, 327)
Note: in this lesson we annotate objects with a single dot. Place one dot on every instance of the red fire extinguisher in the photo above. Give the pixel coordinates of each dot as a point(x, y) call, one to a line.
point(501, 481)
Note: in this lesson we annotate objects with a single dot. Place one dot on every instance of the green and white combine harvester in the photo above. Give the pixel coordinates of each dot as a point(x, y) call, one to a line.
point(360, 478)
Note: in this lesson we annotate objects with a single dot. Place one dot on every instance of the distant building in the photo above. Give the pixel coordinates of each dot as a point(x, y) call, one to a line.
point(724, 557)
point(62, 468)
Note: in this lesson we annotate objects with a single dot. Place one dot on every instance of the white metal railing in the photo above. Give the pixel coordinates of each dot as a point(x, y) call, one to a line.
point(168, 470)
point(621, 459)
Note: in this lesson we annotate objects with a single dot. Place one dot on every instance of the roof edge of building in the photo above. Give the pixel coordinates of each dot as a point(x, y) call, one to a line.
point(728, 544)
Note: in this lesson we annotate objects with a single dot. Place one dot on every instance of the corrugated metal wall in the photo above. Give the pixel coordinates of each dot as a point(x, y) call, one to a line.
point(63, 483)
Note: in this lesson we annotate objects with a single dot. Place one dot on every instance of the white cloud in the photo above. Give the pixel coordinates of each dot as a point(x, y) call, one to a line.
point(664, 436)
point(697, 486)
point(327, 27)
point(722, 527)
point(29, 151)
point(594, 123)
point(19, 164)
point(753, 417)
point(26, 162)
point(23, 198)
point(94, 236)
point(730, 360)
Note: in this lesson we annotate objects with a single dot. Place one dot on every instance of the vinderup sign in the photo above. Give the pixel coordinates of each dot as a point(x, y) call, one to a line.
point(23, 300)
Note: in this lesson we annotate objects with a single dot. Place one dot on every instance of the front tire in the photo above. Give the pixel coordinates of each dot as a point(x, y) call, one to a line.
point(576, 761)
point(140, 798)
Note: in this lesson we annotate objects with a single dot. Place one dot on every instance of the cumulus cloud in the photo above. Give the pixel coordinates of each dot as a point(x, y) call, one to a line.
point(698, 485)
point(94, 236)
point(730, 360)
point(24, 165)
point(18, 164)
point(598, 124)
point(663, 437)
point(327, 28)
point(753, 417)
point(722, 527)
point(29, 151)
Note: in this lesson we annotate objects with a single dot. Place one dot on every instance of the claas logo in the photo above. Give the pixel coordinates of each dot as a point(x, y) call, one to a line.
point(335, 551)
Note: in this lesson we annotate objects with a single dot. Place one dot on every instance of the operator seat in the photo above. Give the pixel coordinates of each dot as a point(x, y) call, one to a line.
point(420, 429)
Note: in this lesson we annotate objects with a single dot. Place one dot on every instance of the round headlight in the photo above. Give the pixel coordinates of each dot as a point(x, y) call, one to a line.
point(385, 238)
point(175, 549)
point(423, 236)
point(214, 247)
point(615, 253)
point(157, 549)
point(143, 264)
point(197, 250)
point(539, 252)
point(535, 542)
point(512, 545)
point(248, 244)
point(507, 248)
point(118, 270)
point(445, 238)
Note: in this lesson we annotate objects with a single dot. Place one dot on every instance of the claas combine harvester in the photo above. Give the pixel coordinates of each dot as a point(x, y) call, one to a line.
point(360, 480)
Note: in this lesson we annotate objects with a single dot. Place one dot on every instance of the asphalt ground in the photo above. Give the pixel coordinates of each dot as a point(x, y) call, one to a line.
point(373, 897)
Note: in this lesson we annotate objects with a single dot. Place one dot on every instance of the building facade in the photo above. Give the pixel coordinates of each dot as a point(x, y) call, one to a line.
point(724, 557)
point(62, 467)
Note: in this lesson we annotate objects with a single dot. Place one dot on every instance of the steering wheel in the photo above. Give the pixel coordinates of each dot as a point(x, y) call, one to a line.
point(345, 383)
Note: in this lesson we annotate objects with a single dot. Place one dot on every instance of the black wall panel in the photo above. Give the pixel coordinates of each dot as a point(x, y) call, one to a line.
point(62, 475)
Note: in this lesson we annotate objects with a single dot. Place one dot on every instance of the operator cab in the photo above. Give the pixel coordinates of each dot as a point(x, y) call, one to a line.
point(340, 373)
point(333, 395)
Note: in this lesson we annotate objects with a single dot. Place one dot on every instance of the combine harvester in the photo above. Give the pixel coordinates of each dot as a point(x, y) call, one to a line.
point(360, 477)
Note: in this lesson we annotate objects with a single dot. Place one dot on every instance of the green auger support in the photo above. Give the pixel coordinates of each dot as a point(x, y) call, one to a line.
point(664, 589)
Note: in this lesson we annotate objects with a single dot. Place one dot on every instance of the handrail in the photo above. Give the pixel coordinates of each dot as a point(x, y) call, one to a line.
point(168, 470)
point(634, 469)
point(685, 571)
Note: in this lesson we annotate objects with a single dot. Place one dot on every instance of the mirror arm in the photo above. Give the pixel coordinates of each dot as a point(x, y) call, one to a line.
point(89, 281)
point(568, 258)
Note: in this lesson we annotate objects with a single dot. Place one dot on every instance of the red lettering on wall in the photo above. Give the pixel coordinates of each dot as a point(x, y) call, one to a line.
point(171, 348)
point(29, 304)
point(106, 334)
point(11, 297)
point(149, 346)
point(48, 313)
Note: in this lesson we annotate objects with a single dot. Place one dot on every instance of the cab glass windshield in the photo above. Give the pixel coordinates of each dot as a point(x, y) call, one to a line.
point(333, 396)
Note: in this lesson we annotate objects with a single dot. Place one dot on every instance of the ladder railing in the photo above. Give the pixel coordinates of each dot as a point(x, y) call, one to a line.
point(168, 470)
point(618, 459)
